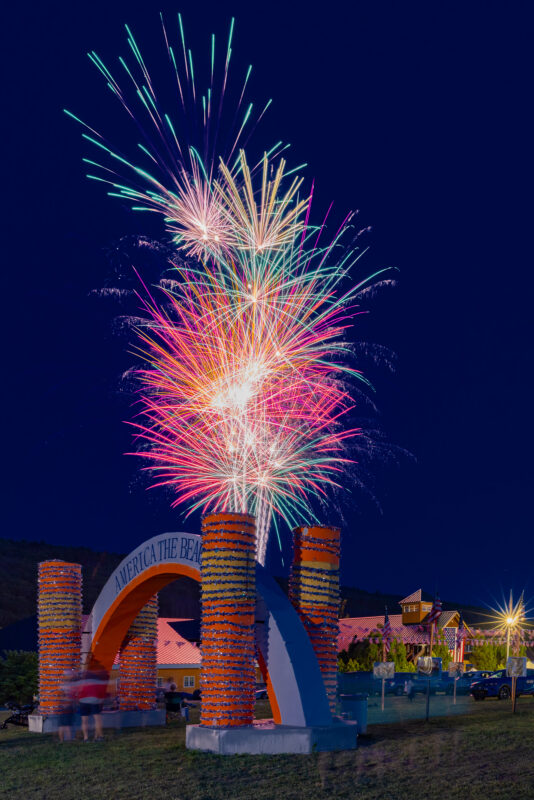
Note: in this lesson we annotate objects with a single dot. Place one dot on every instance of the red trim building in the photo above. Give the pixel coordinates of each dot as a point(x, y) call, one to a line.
point(409, 627)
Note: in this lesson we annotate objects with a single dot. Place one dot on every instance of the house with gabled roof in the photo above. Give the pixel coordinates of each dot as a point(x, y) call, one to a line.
point(178, 659)
point(410, 627)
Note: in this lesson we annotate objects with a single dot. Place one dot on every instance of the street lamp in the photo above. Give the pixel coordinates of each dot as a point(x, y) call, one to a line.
point(512, 618)
point(509, 625)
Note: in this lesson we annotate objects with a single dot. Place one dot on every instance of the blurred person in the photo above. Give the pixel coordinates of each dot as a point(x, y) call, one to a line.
point(409, 689)
point(112, 695)
point(68, 703)
point(93, 690)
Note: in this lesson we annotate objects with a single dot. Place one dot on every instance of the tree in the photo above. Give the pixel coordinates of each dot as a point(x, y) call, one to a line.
point(348, 665)
point(442, 651)
point(397, 653)
point(491, 656)
point(363, 654)
point(18, 676)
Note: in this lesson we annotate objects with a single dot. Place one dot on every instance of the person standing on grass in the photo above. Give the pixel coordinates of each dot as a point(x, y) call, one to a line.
point(91, 695)
point(66, 718)
point(409, 689)
point(173, 701)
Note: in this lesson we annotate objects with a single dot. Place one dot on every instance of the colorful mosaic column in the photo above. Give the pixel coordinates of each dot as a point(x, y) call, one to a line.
point(138, 661)
point(228, 573)
point(314, 592)
point(59, 608)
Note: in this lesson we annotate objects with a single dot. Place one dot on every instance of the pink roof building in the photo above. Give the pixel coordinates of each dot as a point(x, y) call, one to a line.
point(353, 629)
point(409, 627)
point(173, 651)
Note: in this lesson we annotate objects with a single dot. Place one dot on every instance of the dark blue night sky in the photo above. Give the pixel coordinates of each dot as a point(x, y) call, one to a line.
point(419, 115)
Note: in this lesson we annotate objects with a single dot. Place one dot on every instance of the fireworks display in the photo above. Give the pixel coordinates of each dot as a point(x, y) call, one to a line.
point(246, 375)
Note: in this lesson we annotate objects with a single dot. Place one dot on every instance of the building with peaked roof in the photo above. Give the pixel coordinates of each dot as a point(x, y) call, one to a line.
point(178, 659)
point(410, 627)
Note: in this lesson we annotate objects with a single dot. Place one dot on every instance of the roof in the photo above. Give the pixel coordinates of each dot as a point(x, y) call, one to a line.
point(445, 617)
point(355, 628)
point(173, 649)
point(417, 597)
point(412, 598)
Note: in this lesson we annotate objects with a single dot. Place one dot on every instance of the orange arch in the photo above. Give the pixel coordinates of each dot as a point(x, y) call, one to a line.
point(116, 621)
point(294, 684)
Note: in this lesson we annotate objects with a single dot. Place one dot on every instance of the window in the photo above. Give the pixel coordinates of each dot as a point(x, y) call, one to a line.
point(189, 681)
point(160, 683)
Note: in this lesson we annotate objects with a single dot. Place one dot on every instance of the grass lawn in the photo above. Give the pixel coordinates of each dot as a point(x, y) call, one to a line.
point(481, 756)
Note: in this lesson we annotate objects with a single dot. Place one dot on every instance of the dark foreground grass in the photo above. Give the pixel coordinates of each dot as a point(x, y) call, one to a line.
point(486, 755)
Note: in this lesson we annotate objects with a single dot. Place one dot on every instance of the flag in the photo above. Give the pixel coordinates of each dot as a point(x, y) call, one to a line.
point(435, 612)
point(462, 633)
point(450, 635)
point(386, 630)
point(460, 638)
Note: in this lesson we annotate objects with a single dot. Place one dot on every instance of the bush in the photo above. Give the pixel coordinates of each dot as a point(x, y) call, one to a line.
point(492, 656)
point(442, 651)
point(362, 655)
point(18, 676)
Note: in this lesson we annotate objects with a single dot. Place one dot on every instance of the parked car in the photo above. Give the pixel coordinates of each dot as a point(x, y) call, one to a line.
point(465, 681)
point(364, 682)
point(438, 683)
point(500, 685)
point(477, 674)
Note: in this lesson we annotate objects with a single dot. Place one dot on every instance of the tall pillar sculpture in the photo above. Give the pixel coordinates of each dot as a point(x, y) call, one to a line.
point(227, 677)
point(59, 609)
point(314, 593)
point(138, 661)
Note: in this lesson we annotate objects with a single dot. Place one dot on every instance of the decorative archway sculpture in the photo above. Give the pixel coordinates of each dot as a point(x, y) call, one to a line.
point(295, 685)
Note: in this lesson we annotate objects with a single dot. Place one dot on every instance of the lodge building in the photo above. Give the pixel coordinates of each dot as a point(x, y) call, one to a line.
point(410, 627)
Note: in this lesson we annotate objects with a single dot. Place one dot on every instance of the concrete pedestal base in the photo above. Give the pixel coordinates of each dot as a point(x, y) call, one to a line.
point(110, 719)
point(264, 737)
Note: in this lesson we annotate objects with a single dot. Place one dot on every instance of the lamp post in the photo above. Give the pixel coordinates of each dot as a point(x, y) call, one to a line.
point(514, 615)
point(509, 625)
point(511, 618)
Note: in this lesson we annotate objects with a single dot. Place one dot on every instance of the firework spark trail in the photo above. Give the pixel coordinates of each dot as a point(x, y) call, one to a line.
point(183, 152)
point(240, 408)
point(244, 390)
